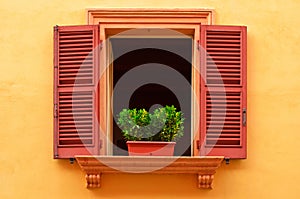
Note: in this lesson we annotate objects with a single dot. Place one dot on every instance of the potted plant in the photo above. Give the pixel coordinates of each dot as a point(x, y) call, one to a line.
point(151, 133)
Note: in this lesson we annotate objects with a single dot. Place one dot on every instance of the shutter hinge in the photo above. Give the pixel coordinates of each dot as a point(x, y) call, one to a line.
point(101, 45)
point(100, 144)
point(227, 160)
point(55, 66)
point(244, 116)
point(56, 28)
point(72, 160)
point(198, 144)
point(55, 111)
point(198, 45)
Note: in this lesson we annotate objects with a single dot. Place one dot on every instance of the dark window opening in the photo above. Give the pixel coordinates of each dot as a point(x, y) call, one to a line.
point(175, 53)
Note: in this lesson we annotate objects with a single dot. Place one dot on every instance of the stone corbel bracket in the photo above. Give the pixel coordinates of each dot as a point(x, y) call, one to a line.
point(203, 167)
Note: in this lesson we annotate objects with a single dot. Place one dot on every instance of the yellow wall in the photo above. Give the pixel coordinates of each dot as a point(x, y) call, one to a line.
point(27, 169)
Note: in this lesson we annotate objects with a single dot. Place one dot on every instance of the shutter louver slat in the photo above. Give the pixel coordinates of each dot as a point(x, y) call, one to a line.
point(76, 94)
point(223, 94)
point(73, 58)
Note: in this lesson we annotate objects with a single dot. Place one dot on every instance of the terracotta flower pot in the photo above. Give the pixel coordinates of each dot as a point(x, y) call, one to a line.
point(148, 148)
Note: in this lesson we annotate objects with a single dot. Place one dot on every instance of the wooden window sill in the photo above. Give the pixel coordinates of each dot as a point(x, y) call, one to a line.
point(203, 167)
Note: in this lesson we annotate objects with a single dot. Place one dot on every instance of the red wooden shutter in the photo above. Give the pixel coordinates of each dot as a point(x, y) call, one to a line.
point(75, 91)
point(223, 91)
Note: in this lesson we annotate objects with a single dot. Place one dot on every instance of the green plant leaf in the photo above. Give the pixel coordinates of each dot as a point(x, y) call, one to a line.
point(164, 124)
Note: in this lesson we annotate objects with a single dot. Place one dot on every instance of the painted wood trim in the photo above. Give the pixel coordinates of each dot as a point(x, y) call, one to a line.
point(189, 19)
point(203, 167)
point(117, 15)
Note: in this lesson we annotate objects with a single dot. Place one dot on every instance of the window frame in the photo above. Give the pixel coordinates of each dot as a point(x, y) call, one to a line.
point(112, 22)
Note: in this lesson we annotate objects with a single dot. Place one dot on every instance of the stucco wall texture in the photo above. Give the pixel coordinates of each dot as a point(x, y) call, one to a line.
point(27, 169)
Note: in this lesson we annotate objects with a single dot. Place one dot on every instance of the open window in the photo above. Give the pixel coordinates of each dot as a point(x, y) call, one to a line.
point(87, 69)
